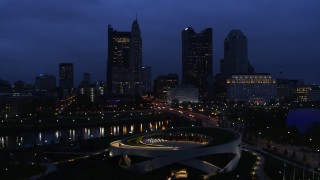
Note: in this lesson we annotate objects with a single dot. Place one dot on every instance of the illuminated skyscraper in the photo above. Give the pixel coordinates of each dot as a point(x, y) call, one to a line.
point(235, 54)
point(118, 78)
point(66, 75)
point(124, 61)
point(197, 59)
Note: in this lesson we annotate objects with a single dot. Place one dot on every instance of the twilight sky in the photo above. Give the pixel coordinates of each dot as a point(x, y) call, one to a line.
point(36, 35)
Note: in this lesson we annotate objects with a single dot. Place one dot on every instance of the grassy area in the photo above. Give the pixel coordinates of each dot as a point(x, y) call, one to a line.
point(135, 141)
point(275, 169)
point(20, 171)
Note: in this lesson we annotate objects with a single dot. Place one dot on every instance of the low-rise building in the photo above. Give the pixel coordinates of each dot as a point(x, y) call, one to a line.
point(162, 84)
point(183, 93)
point(307, 93)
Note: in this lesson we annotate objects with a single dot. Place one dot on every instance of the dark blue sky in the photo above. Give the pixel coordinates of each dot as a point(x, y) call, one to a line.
point(35, 35)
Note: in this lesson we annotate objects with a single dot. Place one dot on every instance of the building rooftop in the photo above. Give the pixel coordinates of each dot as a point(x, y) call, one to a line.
point(236, 34)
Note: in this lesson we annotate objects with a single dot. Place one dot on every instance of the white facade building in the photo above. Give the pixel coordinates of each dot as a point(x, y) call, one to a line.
point(255, 88)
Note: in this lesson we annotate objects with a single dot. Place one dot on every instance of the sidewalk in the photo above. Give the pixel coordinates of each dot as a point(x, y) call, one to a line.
point(259, 171)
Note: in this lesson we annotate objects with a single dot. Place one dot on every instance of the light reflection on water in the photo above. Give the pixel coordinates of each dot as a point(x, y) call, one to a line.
point(124, 130)
point(132, 128)
point(22, 140)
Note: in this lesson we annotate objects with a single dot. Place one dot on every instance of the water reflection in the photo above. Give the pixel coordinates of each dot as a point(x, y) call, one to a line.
point(124, 130)
point(23, 140)
point(40, 137)
point(131, 128)
point(101, 131)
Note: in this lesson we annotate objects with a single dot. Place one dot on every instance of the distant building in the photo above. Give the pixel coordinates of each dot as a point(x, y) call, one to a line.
point(286, 88)
point(183, 93)
point(89, 91)
point(146, 80)
point(118, 61)
point(100, 88)
point(197, 59)
point(307, 93)
point(22, 89)
point(86, 79)
point(8, 107)
point(256, 88)
point(5, 87)
point(219, 87)
point(45, 82)
point(92, 91)
point(162, 84)
point(314, 94)
point(235, 59)
point(66, 75)
point(124, 64)
point(19, 86)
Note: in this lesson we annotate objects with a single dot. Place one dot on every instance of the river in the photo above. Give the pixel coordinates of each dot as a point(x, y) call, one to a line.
point(30, 139)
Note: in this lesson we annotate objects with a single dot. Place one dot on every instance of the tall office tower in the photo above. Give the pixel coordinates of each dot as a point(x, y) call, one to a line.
point(235, 54)
point(45, 82)
point(146, 79)
point(135, 59)
point(124, 61)
point(197, 59)
point(118, 76)
point(66, 75)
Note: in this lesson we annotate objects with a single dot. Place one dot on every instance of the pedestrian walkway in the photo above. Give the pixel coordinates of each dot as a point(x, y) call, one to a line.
point(258, 168)
point(50, 168)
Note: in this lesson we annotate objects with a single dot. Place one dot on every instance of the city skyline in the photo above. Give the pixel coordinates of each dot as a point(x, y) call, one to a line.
point(281, 36)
